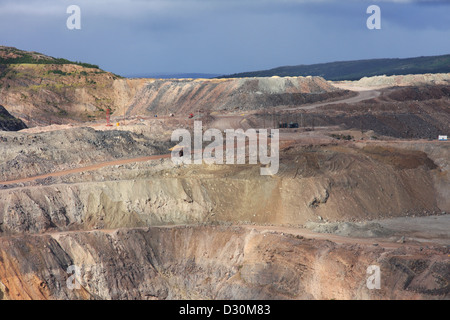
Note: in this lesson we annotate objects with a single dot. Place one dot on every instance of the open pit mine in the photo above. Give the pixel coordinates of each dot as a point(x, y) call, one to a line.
point(358, 208)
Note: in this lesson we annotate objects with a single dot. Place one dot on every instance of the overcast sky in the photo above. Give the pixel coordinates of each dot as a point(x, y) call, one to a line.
point(130, 37)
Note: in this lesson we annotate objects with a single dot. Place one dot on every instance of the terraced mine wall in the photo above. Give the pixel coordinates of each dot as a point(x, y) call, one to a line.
point(212, 263)
point(335, 183)
point(186, 96)
point(45, 94)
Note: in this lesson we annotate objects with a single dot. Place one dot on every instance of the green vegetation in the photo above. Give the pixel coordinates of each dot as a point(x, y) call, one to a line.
point(61, 112)
point(355, 70)
point(116, 76)
point(62, 73)
point(342, 137)
point(26, 57)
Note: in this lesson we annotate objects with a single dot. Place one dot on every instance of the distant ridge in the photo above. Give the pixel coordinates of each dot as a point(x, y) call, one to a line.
point(11, 55)
point(357, 69)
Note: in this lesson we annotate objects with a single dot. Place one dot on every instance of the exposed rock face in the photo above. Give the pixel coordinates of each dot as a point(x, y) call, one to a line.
point(213, 263)
point(334, 182)
point(407, 112)
point(185, 96)
point(8, 122)
point(46, 225)
point(26, 154)
point(242, 236)
point(42, 94)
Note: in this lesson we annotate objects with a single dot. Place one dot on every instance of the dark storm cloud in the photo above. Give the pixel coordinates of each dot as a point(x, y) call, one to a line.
point(223, 36)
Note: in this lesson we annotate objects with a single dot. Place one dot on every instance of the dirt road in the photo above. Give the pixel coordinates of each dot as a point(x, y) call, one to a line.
point(87, 168)
point(419, 231)
point(362, 94)
point(223, 122)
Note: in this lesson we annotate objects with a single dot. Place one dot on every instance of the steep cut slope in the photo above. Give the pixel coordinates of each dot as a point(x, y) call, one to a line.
point(35, 154)
point(409, 113)
point(214, 263)
point(42, 94)
point(42, 90)
point(185, 96)
point(344, 182)
point(8, 122)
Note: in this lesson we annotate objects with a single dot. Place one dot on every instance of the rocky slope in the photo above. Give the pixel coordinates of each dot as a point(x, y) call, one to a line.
point(59, 91)
point(213, 263)
point(47, 225)
point(139, 227)
point(8, 122)
point(45, 94)
point(336, 182)
point(41, 94)
point(42, 90)
point(27, 154)
point(408, 112)
point(185, 96)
